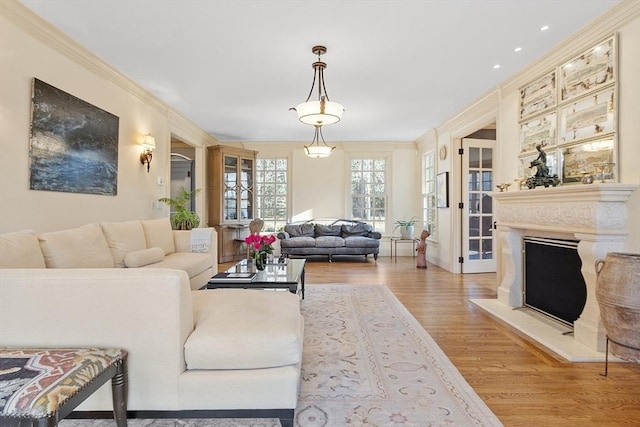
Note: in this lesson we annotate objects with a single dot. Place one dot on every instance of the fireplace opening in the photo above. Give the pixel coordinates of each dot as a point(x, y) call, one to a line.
point(553, 282)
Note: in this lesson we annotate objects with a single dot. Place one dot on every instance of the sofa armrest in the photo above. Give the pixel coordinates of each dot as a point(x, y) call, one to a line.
point(283, 235)
point(148, 312)
point(375, 235)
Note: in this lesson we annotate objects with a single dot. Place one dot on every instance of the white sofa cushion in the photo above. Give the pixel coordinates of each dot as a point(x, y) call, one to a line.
point(192, 263)
point(268, 334)
point(124, 237)
point(158, 233)
point(20, 249)
point(82, 247)
point(144, 257)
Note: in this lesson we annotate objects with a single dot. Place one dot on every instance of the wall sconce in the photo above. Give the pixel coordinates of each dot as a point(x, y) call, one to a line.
point(148, 145)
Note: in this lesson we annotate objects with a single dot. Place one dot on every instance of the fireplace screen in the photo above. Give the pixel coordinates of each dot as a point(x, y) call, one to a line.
point(553, 282)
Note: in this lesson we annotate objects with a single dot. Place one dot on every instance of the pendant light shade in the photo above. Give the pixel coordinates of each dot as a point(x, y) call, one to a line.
point(321, 111)
point(318, 147)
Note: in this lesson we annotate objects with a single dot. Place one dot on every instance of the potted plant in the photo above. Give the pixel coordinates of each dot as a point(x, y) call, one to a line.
point(407, 227)
point(183, 218)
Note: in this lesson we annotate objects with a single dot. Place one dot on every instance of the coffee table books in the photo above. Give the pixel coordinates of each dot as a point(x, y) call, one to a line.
point(233, 277)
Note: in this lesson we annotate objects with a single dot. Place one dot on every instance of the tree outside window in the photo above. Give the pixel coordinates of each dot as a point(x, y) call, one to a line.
point(272, 193)
point(368, 192)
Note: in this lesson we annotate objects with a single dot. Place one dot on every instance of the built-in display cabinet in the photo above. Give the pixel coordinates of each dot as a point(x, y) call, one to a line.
point(571, 113)
point(231, 175)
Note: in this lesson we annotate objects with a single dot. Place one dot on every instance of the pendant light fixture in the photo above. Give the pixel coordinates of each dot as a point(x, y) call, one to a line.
point(318, 147)
point(322, 111)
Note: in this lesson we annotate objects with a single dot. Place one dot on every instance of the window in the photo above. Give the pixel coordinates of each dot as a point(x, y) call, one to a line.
point(429, 193)
point(271, 193)
point(368, 192)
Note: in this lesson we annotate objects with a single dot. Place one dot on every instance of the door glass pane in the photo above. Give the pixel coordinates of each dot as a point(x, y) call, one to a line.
point(474, 226)
point(487, 156)
point(487, 180)
point(487, 248)
point(474, 203)
point(474, 249)
point(474, 181)
point(487, 225)
point(474, 157)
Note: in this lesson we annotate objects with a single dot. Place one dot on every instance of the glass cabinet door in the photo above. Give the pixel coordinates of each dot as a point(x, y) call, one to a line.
point(230, 196)
point(246, 189)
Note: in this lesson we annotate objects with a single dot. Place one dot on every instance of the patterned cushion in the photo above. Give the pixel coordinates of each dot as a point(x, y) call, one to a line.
point(20, 250)
point(124, 237)
point(299, 230)
point(82, 247)
point(36, 382)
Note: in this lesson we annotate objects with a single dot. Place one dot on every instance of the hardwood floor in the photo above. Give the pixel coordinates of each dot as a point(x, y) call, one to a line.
point(522, 383)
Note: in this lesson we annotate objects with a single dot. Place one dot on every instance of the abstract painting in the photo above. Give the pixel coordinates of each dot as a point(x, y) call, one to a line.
point(74, 145)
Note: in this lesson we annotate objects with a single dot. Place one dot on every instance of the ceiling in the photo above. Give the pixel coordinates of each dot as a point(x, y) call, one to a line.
point(399, 67)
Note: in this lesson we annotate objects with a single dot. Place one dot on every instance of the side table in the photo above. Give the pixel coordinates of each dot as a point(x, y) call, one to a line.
point(394, 245)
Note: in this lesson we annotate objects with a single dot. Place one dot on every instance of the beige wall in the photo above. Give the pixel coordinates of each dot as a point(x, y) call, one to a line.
point(320, 187)
point(31, 48)
point(501, 105)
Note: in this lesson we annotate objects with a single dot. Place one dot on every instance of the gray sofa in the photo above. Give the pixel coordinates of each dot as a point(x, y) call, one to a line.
point(340, 237)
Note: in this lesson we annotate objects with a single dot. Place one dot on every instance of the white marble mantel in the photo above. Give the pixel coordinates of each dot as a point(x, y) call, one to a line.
point(596, 215)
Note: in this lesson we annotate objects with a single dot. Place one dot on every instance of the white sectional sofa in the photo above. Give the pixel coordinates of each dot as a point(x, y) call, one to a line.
point(129, 244)
point(223, 352)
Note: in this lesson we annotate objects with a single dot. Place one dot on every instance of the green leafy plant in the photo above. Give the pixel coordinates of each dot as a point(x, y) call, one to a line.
point(406, 222)
point(183, 218)
point(404, 225)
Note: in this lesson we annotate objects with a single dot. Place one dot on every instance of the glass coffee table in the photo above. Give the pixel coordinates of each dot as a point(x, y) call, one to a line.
point(288, 275)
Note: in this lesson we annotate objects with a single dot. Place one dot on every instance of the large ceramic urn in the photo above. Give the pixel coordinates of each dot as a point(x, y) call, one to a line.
point(618, 295)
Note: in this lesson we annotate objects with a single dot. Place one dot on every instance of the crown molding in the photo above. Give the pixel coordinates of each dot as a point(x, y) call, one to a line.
point(598, 30)
point(481, 112)
point(187, 131)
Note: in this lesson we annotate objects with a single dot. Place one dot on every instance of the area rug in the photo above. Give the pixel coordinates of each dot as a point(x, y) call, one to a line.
point(366, 362)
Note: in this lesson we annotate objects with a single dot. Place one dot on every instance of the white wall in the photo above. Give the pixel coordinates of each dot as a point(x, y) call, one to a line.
point(32, 48)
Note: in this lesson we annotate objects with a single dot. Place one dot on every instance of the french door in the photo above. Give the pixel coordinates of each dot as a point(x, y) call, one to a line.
point(478, 243)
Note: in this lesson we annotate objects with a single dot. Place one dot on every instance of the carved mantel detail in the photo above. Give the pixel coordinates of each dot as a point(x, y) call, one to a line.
point(595, 214)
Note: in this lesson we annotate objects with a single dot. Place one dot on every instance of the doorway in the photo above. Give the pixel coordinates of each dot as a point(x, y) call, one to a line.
point(182, 170)
point(478, 240)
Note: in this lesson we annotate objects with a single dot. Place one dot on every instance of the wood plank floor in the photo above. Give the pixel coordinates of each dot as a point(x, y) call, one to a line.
point(522, 383)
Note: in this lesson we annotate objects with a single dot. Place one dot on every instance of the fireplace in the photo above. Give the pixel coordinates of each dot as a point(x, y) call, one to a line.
point(595, 216)
point(553, 283)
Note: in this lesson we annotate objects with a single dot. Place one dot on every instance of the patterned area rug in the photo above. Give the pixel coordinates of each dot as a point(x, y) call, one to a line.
point(366, 362)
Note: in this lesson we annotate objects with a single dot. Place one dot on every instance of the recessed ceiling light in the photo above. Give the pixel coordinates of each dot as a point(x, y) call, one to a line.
point(495, 67)
point(518, 49)
point(544, 28)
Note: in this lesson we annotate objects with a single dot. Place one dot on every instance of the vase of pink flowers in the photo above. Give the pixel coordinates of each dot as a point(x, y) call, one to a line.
point(259, 247)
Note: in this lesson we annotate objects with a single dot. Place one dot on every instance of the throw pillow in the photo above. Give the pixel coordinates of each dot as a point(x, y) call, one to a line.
point(359, 229)
point(327, 230)
point(82, 247)
point(159, 234)
point(20, 249)
point(300, 230)
point(124, 237)
point(144, 257)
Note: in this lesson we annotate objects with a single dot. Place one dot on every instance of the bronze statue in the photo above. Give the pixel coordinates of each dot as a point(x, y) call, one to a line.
point(542, 171)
